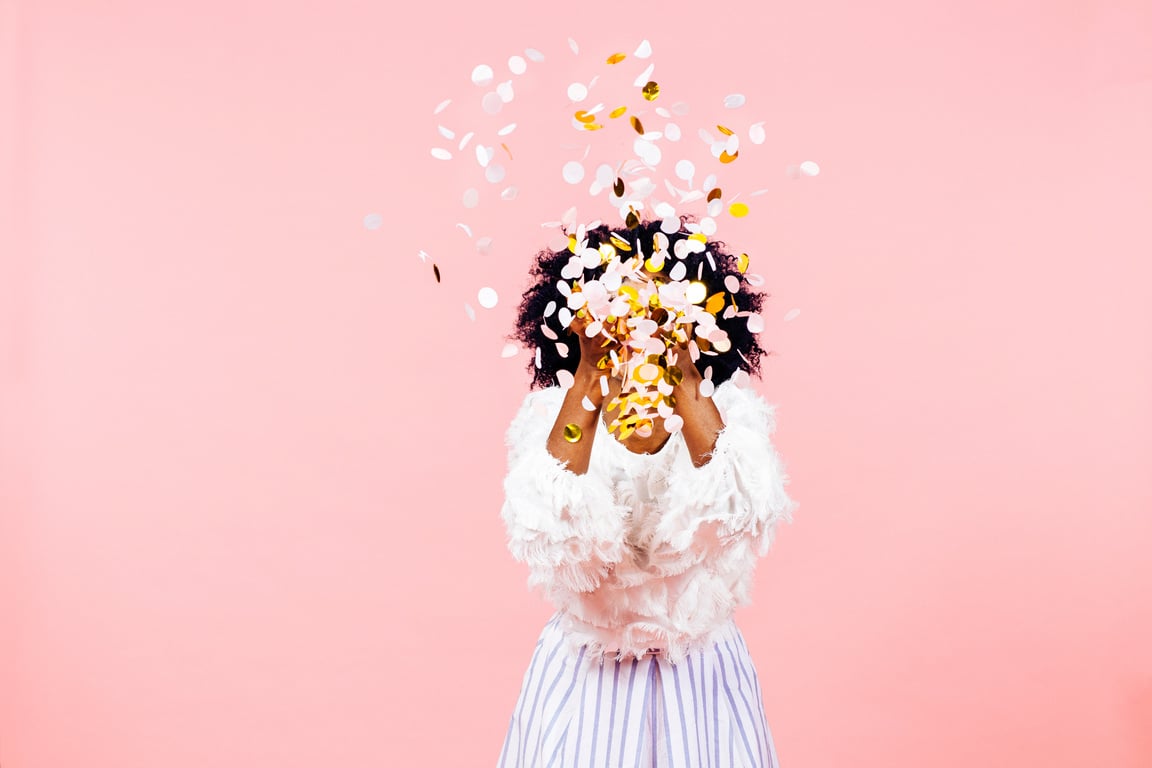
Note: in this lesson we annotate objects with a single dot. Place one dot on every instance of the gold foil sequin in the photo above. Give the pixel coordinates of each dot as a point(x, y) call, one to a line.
point(715, 303)
point(723, 130)
point(714, 194)
point(592, 126)
point(573, 433)
point(617, 112)
point(436, 272)
point(739, 210)
point(727, 158)
point(637, 125)
point(632, 221)
point(620, 242)
point(616, 58)
point(674, 375)
point(585, 117)
point(618, 187)
point(650, 90)
point(742, 263)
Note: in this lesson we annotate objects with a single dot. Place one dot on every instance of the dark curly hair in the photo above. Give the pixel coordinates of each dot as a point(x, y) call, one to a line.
point(745, 352)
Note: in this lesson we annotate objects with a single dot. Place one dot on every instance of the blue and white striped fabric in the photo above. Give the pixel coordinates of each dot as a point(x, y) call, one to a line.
point(704, 711)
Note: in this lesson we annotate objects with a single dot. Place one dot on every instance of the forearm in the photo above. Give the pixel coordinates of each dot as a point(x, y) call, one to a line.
point(702, 420)
point(577, 454)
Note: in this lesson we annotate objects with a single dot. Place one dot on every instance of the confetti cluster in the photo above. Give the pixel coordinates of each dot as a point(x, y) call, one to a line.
point(629, 148)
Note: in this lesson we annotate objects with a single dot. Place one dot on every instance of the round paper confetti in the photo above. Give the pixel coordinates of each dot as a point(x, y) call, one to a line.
point(809, 168)
point(509, 350)
point(441, 154)
point(517, 65)
point(756, 133)
point(487, 297)
point(734, 100)
point(504, 91)
point(573, 172)
point(441, 106)
point(506, 129)
point(672, 132)
point(755, 323)
point(373, 221)
point(685, 170)
point(492, 103)
point(644, 50)
point(469, 311)
point(471, 198)
point(577, 92)
point(534, 55)
point(494, 173)
point(508, 193)
point(482, 74)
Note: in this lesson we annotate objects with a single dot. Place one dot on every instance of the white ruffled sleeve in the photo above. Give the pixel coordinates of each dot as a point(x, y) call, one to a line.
point(566, 527)
point(735, 500)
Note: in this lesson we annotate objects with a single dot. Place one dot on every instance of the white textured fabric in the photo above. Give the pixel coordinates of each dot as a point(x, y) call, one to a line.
point(645, 554)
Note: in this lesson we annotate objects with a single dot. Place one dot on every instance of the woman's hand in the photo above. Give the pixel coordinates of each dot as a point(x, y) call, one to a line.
point(702, 420)
point(592, 348)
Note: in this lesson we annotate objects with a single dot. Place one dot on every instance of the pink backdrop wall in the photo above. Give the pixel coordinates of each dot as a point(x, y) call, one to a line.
point(231, 533)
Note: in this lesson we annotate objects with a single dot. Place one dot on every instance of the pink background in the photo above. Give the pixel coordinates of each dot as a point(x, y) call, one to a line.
point(249, 506)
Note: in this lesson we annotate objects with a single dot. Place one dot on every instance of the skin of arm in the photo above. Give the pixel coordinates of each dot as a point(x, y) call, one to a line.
point(702, 420)
point(572, 411)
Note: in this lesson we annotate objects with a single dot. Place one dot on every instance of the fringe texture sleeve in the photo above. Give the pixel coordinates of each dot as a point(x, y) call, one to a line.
point(726, 510)
point(566, 527)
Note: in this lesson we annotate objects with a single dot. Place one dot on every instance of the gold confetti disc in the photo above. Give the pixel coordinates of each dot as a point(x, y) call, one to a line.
point(715, 303)
point(620, 242)
point(585, 117)
point(637, 125)
point(714, 194)
point(616, 58)
point(618, 187)
point(674, 375)
point(632, 221)
point(573, 433)
point(436, 272)
point(739, 210)
point(696, 293)
point(650, 90)
point(727, 158)
point(617, 112)
point(592, 126)
point(723, 130)
point(742, 263)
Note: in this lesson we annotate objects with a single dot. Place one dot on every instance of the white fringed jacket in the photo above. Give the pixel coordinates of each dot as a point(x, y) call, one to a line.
point(645, 552)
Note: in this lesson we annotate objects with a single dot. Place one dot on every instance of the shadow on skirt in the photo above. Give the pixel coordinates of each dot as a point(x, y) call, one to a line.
point(704, 711)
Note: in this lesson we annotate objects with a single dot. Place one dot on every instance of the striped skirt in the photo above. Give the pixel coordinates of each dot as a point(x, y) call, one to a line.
point(704, 711)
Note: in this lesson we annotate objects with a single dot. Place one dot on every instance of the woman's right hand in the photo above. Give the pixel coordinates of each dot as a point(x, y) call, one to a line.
point(592, 348)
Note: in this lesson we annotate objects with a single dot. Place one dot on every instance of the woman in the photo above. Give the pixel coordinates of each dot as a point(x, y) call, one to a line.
point(645, 545)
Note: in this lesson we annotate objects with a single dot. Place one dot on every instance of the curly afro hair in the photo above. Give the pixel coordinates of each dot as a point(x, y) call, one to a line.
point(744, 354)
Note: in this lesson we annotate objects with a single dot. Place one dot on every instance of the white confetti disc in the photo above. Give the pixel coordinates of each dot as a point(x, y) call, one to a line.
point(466, 229)
point(517, 65)
point(423, 256)
point(509, 193)
point(572, 44)
point(734, 100)
point(573, 172)
point(484, 244)
point(469, 311)
point(464, 141)
point(562, 349)
point(680, 108)
point(441, 106)
point(505, 92)
point(809, 168)
point(577, 92)
point(446, 132)
point(732, 283)
point(534, 55)
point(441, 154)
point(648, 152)
point(492, 103)
point(644, 50)
point(482, 74)
point(755, 323)
point(674, 423)
point(685, 170)
point(506, 129)
point(494, 173)
point(672, 132)
point(707, 388)
point(565, 379)
point(373, 221)
point(509, 350)
point(708, 226)
point(756, 133)
point(792, 314)
point(643, 78)
point(588, 404)
point(471, 198)
point(487, 297)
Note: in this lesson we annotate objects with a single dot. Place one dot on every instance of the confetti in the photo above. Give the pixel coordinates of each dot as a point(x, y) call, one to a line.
point(809, 168)
point(471, 198)
point(517, 65)
point(756, 133)
point(577, 92)
point(572, 432)
point(739, 210)
point(734, 100)
point(482, 75)
point(487, 297)
point(441, 106)
point(506, 129)
point(644, 50)
point(509, 350)
point(534, 55)
point(573, 172)
point(436, 272)
point(441, 154)
point(469, 311)
point(616, 58)
point(374, 221)
point(650, 90)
